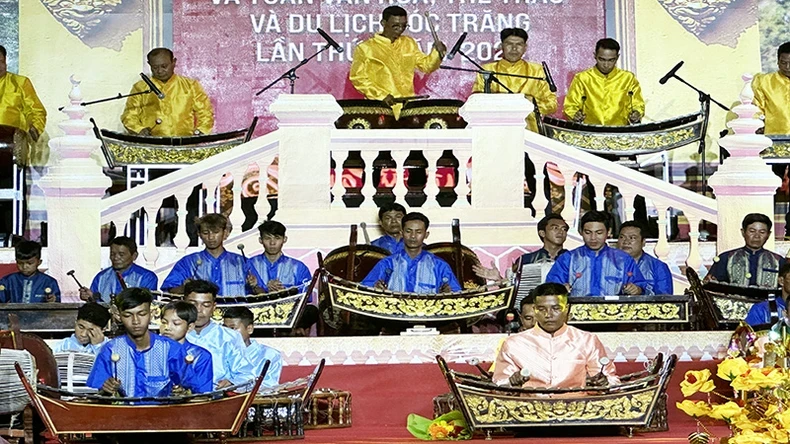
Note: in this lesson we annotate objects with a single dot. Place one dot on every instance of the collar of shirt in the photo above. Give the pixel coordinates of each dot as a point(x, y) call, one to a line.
point(590, 252)
point(422, 254)
point(385, 40)
point(28, 278)
point(206, 330)
point(752, 252)
point(282, 258)
point(601, 75)
point(208, 256)
point(541, 332)
point(154, 338)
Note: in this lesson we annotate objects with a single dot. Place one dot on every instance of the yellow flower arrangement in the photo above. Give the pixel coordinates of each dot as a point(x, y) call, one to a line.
point(730, 369)
point(697, 381)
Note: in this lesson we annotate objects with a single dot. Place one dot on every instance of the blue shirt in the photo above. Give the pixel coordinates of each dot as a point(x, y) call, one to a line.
point(596, 273)
point(760, 313)
point(72, 344)
point(150, 372)
point(258, 354)
point(425, 274)
point(106, 283)
point(226, 272)
point(539, 256)
point(18, 288)
point(658, 278)
point(289, 271)
point(389, 243)
point(197, 373)
point(763, 267)
point(227, 353)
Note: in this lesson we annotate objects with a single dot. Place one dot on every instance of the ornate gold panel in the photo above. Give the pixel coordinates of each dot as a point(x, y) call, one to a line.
point(625, 312)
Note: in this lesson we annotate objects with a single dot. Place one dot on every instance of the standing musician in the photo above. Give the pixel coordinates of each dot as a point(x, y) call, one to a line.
point(514, 45)
point(123, 253)
point(604, 94)
point(383, 65)
point(772, 94)
point(185, 109)
point(390, 216)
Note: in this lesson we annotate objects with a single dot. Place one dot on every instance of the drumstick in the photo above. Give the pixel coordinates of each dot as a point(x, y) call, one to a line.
point(433, 31)
point(71, 273)
point(410, 98)
point(364, 227)
point(120, 279)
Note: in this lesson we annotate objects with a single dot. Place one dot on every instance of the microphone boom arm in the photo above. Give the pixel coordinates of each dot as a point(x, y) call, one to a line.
point(291, 73)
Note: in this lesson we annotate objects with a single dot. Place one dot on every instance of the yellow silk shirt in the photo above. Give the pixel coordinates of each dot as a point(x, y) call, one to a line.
point(382, 67)
point(608, 102)
point(184, 109)
point(772, 96)
point(560, 361)
point(19, 104)
point(531, 88)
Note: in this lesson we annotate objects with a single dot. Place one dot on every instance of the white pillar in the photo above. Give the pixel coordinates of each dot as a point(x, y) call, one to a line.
point(744, 183)
point(73, 188)
point(497, 124)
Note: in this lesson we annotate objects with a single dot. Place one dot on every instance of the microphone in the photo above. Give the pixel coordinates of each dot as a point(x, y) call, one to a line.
point(330, 40)
point(456, 47)
point(671, 73)
point(549, 79)
point(152, 87)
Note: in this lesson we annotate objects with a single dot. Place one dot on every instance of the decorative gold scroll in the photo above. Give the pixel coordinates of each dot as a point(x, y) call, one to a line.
point(128, 153)
point(624, 312)
point(732, 310)
point(625, 142)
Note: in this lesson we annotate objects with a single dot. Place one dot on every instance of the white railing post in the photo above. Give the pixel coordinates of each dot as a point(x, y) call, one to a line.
point(498, 126)
point(305, 123)
point(73, 188)
point(744, 183)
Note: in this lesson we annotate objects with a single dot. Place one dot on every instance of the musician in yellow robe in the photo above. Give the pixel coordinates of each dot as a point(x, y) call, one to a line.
point(772, 94)
point(185, 110)
point(19, 104)
point(604, 94)
point(383, 65)
point(514, 45)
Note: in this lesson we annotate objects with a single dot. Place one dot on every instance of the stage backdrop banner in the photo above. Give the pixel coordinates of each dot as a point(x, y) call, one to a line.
point(236, 47)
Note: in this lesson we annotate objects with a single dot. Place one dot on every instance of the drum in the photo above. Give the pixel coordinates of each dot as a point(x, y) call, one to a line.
point(272, 418)
point(444, 404)
point(73, 370)
point(329, 409)
point(365, 114)
point(431, 114)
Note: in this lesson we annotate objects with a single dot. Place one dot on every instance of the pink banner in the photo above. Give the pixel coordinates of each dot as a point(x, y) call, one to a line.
point(236, 47)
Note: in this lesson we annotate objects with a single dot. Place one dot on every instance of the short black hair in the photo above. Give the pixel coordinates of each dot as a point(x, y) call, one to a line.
point(393, 11)
point(784, 48)
point(27, 250)
point(634, 224)
point(125, 241)
point(133, 297)
point(415, 216)
point(529, 299)
point(184, 310)
point(784, 269)
point(200, 286)
point(244, 314)
point(213, 220)
point(271, 227)
point(596, 216)
point(550, 289)
point(94, 313)
point(756, 217)
point(156, 51)
point(543, 223)
point(518, 32)
point(607, 43)
point(387, 207)
point(3, 51)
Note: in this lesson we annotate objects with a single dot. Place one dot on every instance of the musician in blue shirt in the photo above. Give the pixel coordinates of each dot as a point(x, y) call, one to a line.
point(552, 230)
point(760, 313)
point(28, 284)
point(595, 269)
point(658, 278)
point(272, 270)
point(88, 336)
point(240, 319)
point(413, 270)
point(213, 264)
point(197, 374)
point(123, 253)
point(390, 216)
point(751, 264)
point(139, 363)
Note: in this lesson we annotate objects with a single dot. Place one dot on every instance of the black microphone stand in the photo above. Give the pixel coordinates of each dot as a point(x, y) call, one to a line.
point(291, 73)
point(109, 99)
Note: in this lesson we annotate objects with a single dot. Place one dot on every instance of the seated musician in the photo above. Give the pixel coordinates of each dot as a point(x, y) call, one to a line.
point(241, 319)
point(413, 270)
point(760, 313)
point(226, 346)
point(20, 106)
point(552, 230)
point(88, 336)
point(514, 45)
point(28, 284)
point(751, 264)
point(123, 253)
point(605, 94)
point(178, 319)
point(658, 278)
point(556, 354)
point(595, 269)
point(390, 216)
point(272, 270)
point(185, 109)
point(138, 363)
point(383, 65)
point(772, 94)
point(214, 264)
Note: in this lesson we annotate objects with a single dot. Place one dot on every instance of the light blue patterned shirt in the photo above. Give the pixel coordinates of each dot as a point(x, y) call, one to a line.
point(257, 354)
point(225, 271)
point(658, 278)
point(227, 352)
point(72, 344)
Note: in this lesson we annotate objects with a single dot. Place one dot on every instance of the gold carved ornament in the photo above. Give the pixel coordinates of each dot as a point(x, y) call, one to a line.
point(777, 150)
point(428, 307)
point(695, 15)
point(624, 142)
point(626, 312)
point(368, 110)
point(265, 314)
point(732, 310)
point(124, 154)
point(428, 111)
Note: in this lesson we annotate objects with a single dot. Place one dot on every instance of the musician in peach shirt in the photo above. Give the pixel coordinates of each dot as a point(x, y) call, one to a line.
point(556, 354)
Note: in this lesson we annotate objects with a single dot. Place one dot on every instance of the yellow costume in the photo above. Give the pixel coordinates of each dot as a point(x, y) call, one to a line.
point(608, 101)
point(531, 88)
point(772, 96)
point(382, 67)
point(19, 104)
point(184, 109)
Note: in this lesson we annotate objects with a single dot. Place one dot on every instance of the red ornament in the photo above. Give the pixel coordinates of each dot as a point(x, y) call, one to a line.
point(578, 275)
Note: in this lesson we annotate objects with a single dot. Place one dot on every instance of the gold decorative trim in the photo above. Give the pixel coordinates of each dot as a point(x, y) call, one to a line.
point(732, 311)
point(780, 150)
point(625, 142)
point(130, 154)
point(364, 110)
point(358, 123)
point(625, 312)
point(279, 313)
point(428, 111)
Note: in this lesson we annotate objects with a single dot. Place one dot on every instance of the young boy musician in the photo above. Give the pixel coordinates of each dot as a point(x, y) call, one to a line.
point(272, 270)
point(28, 284)
point(88, 336)
point(241, 319)
point(178, 319)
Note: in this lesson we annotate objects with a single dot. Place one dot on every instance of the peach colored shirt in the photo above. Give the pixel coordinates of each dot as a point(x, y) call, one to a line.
point(560, 361)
